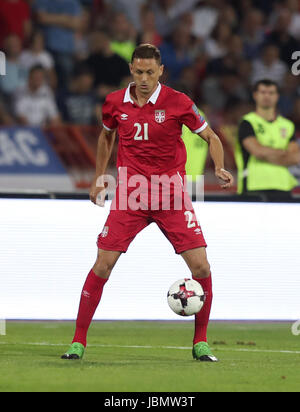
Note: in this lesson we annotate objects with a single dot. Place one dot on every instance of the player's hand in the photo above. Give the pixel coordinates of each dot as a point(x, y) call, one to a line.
point(226, 178)
point(98, 193)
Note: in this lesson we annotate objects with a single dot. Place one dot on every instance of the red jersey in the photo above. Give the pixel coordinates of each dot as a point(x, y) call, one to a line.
point(150, 140)
point(12, 18)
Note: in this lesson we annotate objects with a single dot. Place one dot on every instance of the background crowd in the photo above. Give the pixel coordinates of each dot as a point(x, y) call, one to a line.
point(64, 56)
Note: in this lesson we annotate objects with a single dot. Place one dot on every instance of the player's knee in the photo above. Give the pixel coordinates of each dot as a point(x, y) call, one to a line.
point(201, 270)
point(103, 268)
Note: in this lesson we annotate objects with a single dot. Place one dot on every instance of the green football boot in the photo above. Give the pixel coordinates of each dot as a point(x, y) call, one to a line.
point(76, 351)
point(202, 352)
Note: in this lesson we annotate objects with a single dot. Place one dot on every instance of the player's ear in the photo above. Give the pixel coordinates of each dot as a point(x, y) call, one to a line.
point(161, 70)
point(131, 68)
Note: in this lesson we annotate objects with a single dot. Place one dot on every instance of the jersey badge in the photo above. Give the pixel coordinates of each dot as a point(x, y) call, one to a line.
point(160, 116)
point(283, 132)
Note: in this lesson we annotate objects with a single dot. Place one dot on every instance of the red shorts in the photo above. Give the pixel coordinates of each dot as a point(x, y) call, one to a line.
point(180, 227)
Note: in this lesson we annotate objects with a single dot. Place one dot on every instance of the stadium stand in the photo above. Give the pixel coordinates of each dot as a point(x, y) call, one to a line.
point(213, 50)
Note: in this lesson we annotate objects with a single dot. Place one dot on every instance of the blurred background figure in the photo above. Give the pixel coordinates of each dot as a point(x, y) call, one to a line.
point(35, 105)
point(59, 20)
point(36, 54)
point(109, 69)
point(78, 103)
point(148, 32)
point(176, 52)
point(123, 36)
point(15, 18)
point(269, 65)
point(266, 147)
point(16, 74)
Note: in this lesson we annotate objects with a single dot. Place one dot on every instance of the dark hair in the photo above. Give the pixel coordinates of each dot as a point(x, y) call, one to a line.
point(265, 82)
point(147, 51)
point(36, 68)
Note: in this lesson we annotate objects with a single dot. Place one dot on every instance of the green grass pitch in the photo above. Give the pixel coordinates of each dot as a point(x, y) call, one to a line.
point(150, 357)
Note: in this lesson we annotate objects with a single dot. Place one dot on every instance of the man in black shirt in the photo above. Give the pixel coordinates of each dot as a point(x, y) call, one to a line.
point(109, 68)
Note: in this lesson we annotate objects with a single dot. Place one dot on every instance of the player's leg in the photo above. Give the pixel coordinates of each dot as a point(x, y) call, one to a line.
point(90, 298)
point(196, 259)
point(183, 230)
point(92, 291)
point(120, 229)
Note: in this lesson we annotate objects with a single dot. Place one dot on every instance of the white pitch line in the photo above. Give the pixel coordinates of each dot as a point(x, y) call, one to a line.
point(155, 347)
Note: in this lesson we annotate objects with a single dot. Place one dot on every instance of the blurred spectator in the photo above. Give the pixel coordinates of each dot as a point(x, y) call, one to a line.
point(187, 83)
point(232, 59)
point(5, 117)
point(37, 55)
point(108, 67)
point(123, 36)
point(35, 106)
point(216, 46)
point(131, 9)
point(78, 104)
point(148, 32)
point(59, 20)
point(217, 91)
point(176, 53)
point(296, 115)
point(288, 94)
point(228, 15)
point(205, 19)
point(281, 37)
point(167, 13)
point(14, 19)
point(82, 35)
point(269, 66)
point(233, 111)
point(16, 74)
point(253, 33)
point(294, 7)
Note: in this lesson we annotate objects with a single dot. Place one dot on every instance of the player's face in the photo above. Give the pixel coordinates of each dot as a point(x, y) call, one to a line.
point(266, 97)
point(146, 74)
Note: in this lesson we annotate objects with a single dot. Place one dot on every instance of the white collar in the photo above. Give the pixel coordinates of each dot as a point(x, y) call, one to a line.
point(153, 98)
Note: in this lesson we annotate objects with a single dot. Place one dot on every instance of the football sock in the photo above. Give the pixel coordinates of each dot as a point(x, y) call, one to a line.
point(202, 318)
point(90, 298)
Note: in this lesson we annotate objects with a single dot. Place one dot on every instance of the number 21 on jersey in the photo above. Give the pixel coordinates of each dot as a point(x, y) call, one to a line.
point(142, 131)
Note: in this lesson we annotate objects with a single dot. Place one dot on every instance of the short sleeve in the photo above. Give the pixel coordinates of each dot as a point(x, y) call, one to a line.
point(108, 119)
point(245, 130)
point(190, 115)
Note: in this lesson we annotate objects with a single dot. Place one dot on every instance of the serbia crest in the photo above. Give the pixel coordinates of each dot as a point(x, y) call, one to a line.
point(160, 116)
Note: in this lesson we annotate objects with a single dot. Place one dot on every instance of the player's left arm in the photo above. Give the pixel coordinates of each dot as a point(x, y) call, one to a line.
point(217, 154)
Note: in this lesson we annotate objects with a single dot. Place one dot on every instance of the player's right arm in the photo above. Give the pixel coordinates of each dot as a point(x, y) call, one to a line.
point(104, 149)
point(105, 145)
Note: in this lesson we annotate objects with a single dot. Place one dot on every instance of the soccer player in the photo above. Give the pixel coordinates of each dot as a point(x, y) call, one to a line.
point(149, 118)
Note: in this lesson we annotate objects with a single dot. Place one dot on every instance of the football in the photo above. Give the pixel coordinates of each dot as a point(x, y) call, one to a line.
point(186, 297)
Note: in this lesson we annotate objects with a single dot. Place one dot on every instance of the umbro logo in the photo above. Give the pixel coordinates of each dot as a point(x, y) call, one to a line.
point(124, 116)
